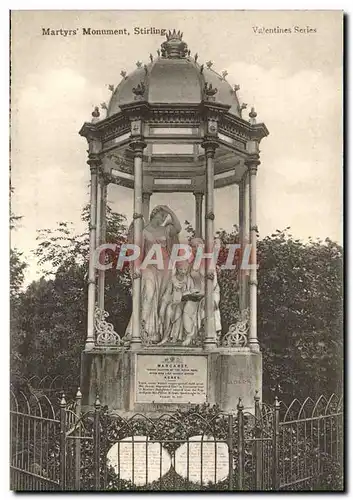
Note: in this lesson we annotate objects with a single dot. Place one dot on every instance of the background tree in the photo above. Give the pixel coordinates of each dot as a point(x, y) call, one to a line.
point(300, 315)
point(53, 313)
point(17, 274)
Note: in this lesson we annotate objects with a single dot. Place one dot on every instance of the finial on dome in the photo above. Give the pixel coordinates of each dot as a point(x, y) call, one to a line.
point(139, 91)
point(236, 88)
point(123, 74)
point(174, 47)
point(242, 107)
point(252, 116)
point(111, 87)
point(95, 115)
point(209, 92)
point(138, 64)
point(224, 74)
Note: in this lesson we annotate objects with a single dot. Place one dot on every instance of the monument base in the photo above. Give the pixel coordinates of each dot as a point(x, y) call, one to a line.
point(156, 380)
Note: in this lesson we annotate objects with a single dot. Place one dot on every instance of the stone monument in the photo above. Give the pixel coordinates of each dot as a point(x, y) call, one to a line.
point(173, 125)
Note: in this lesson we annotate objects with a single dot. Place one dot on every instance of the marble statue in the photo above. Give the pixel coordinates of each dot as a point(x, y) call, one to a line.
point(162, 229)
point(172, 308)
point(172, 300)
point(194, 310)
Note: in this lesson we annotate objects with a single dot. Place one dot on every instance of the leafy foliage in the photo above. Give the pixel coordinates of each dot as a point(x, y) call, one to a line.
point(51, 323)
point(300, 316)
point(17, 270)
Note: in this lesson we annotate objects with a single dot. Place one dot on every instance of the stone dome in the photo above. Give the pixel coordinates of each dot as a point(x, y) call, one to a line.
point(174, 77)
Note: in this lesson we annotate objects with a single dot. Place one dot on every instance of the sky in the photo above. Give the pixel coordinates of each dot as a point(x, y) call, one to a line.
point(294, 80)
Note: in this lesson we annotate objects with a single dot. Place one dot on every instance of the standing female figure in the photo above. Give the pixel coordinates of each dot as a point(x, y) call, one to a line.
point(162, 230)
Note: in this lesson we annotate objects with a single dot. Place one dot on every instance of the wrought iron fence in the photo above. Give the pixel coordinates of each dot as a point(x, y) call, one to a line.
point(309, 443)
point(34, 441)
point(275, 448)
point(51, 386)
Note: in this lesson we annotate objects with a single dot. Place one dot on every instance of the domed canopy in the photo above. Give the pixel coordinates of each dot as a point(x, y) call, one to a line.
point(174, 78)
point(173, 106)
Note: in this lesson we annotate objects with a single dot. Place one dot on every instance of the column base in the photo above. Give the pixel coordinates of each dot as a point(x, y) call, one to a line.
point(89, 346)
point(209, 344)
point(254, 346)
point(135, 345)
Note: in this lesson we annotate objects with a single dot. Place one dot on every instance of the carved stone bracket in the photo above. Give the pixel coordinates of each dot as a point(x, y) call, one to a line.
point(105, 334)
point(237, 335)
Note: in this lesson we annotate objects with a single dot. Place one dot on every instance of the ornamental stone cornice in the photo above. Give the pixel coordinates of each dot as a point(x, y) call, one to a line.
point(194, 115)
point(136, 110)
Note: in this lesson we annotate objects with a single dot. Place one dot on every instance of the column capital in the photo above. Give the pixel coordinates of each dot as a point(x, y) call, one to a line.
point(94, 161)
point(198, 194)
point(138, 145)
point(252, 162)
point(210, 146)
point(252, 166)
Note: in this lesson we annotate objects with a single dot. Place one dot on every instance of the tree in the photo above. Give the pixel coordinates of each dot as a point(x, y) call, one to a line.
point(54, 309)
point(300, 315)
point(17, 270)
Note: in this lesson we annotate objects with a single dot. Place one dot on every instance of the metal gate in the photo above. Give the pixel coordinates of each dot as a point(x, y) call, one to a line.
point(276, 448)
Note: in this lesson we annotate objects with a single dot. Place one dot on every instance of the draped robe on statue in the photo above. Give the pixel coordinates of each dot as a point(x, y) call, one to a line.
point(194, 312)
point(154, 281)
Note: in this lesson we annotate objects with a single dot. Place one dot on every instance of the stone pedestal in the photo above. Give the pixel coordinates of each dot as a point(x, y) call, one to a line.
point(155, 380)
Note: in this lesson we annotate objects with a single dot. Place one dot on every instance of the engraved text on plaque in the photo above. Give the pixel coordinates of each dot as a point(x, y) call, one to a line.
point(171, 379)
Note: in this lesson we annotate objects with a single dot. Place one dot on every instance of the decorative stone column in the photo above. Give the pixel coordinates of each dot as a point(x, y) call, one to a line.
point(244, 210)
point(98, 207)
point(137, 145)
point(210, 341)
point(198, 214)
point(252, 163)
point(146, 196)
point(94, 162)
point(102, 189)
point(241, 222)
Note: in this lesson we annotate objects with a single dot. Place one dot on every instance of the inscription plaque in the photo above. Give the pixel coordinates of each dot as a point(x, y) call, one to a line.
point(202, 460)
point(139, 460)
point(171, 379)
